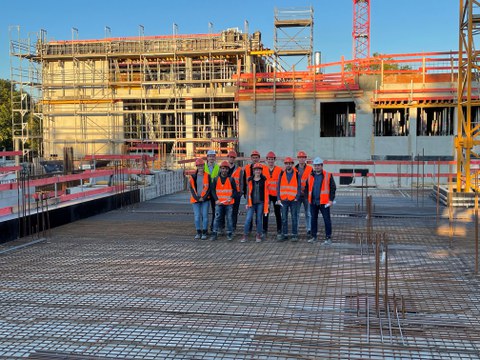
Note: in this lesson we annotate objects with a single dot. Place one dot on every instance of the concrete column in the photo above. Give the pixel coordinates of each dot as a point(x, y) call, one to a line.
point(189, 125)
point(412, 132)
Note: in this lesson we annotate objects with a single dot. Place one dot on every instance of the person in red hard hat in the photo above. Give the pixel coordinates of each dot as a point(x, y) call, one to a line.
point(272, 173)
point(288, 190)
point(304, 170)
point(236, 173)
point(223, 191)
point(199, 185)
point(257, 202)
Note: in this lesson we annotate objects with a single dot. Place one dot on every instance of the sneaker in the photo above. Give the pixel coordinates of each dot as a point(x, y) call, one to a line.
point(229, 237)
point(294, 238)
point(327, 241)
point(279, 237)
point(244, 239)
point(258, 238)
point(198, 236)
point(204, 235)
point(312, 240)
point(213, 237)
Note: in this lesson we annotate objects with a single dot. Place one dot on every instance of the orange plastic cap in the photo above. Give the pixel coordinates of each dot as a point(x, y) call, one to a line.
point(225, 164)
point(271, 154)
point(287, 160)
point(258, 166)
point(232, 153)
point(255, 152)
point(199, 162)
point(301, 154)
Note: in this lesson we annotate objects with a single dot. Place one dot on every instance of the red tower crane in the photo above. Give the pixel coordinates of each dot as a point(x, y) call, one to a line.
point(361, 29)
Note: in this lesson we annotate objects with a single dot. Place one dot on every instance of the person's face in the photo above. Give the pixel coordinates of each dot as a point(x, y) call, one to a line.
point(224, 170)
point(288, 166)
point(255, 159)
point(231, 159)
point(318, 167)
point(211, 159)
point(200, 168)
point(257, 172)
point(302, 160)
point(270, 161)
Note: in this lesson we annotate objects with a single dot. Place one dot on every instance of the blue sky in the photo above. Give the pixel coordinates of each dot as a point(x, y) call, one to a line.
point(405, 26)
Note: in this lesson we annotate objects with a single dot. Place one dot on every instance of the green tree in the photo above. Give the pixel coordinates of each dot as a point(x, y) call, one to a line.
point(5, 115)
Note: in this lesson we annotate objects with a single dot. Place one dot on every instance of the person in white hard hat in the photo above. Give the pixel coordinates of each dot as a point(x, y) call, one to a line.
point(321, 196)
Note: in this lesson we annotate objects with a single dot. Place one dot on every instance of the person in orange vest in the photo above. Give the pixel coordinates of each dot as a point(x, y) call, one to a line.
point(288, 190)
point(236, 173)
point(257, 202)
point(199, 185)
point(321, 196)
point(223, 192)
point(272, 173)
point(304, 170)
point(212, 168)
point(248, 171)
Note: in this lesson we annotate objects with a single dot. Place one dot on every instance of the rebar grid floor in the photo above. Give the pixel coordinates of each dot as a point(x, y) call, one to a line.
point(133, 284)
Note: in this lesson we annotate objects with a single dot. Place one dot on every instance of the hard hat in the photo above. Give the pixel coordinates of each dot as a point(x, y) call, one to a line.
point(225, 164)
point(258, 166)
point(199, 162)
point(271, 154)
point(255, 152)
point(301, 154)
point(211, 152)
point(317, 161)
point(232, 153)
point(288, 159)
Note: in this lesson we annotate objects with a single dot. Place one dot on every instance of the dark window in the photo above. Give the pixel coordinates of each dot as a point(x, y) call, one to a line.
point(337, 119)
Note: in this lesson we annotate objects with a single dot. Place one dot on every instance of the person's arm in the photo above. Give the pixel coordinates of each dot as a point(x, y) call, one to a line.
point(192, 190)
point(299, 186)
point(333, 188)
point(213, 192)
point(234, 188)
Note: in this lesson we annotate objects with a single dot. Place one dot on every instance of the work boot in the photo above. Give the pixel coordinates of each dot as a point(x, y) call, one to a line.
point(204, 235)
point(199, 235)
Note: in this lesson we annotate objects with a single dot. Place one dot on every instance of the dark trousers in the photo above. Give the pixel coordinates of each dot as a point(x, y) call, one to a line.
point(314, 210)
point(212, 206)
point(236, 207)
point(278, 215)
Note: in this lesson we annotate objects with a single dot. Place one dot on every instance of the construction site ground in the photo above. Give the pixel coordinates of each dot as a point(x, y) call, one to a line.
point(134, 284)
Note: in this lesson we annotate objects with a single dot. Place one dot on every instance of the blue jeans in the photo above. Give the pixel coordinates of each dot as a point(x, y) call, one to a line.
point(200, 214)
point(306, 206)
point(222, 211)
point(293, 207)
point(258, 210)
point(314, 209)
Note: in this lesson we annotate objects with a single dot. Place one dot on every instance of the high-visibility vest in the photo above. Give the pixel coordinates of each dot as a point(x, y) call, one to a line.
point(224, 191)
point(236, 176)
point(272, 177)
point(193, 185)
point(288, 190)
point(324, 191)
point(215, 171)
point(265, 195)
point(306, 173)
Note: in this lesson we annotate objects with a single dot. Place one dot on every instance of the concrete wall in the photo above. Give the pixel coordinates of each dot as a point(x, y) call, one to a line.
point(163, 183)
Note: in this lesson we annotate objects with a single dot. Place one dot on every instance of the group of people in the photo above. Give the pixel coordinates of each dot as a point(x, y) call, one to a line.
point(221, 187)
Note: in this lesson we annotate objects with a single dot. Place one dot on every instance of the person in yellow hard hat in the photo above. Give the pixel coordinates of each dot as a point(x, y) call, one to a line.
point(199, 186)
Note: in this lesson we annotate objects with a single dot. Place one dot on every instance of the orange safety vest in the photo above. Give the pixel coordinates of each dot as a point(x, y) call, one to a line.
point(236, 176)
point(272, 177)
point(324, 191)
point(193, 185)
point(265, 197)
point(224, 191)
point(288, 190)
point(306, 173)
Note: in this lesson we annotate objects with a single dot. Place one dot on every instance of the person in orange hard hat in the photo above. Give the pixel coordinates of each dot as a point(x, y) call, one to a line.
point(288, 190)
point(199, 185)
point(236, 173)
point(257, 202)
point(272, 173)
point(304, 170)
point(223, 191)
